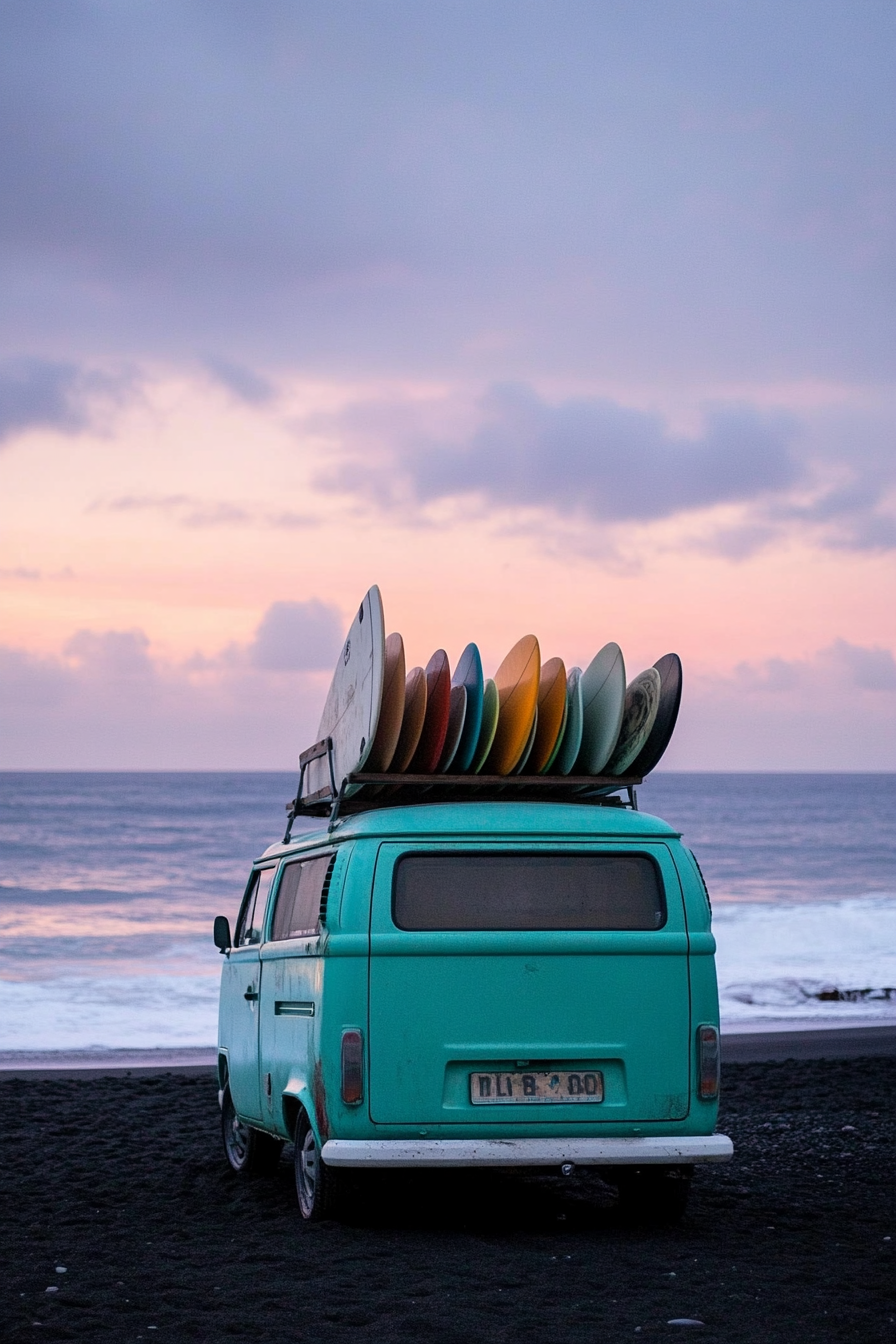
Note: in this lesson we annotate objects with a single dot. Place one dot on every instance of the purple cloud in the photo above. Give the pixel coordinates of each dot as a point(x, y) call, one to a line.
point(50, 394)
point(585, 456)
point(37, 393)
point(596, 460)
point(191, 511)
point(108, 703)
point(297, 637)
point(871, 669)
point(111, 654)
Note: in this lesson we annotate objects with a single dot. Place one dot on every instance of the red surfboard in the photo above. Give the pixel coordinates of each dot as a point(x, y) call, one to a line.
point(438, 708)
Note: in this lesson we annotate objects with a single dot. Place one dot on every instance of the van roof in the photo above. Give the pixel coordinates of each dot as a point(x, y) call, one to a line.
point(528, 821)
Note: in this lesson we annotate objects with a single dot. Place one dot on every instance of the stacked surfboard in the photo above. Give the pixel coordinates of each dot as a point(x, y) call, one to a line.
point(532, 721)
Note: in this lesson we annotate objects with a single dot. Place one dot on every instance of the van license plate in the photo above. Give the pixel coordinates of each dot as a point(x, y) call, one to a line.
point(515, 1089)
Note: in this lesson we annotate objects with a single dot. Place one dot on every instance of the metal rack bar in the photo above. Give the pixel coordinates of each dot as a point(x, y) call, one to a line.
point(299, 805)
point(396, 790)
point(549, 782)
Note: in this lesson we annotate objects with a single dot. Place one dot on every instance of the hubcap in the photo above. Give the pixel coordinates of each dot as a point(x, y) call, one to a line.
point(237, 1139)
point(308, 1171)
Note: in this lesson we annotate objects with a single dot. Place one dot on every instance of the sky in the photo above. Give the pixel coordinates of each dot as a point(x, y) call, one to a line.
point(573, 319)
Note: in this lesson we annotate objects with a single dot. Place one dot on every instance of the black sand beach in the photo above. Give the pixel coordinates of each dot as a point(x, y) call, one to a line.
point(122, 1182)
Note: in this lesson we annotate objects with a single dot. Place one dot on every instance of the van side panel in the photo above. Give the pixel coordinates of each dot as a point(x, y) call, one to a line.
point(308, 1054)
point(704, 985)
point(291, 997)
point(238, 1019)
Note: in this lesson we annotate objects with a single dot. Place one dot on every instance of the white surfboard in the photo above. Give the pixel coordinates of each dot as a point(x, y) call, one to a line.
point(352, 709)
point(642, 699)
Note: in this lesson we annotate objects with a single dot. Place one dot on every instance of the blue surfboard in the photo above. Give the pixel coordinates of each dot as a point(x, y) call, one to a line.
point(468, 674)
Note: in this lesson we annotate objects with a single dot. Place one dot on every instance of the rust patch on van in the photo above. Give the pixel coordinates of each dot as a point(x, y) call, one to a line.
point(319, 1093)
point(670, 1106)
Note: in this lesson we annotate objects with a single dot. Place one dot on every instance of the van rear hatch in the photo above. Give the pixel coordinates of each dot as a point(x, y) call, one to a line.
point(528, 986)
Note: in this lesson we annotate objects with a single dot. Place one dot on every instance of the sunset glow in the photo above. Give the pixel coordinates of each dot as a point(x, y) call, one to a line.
point(619, 370)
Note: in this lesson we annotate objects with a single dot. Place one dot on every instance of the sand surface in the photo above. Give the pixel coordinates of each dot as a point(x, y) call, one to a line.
point(122, 1183)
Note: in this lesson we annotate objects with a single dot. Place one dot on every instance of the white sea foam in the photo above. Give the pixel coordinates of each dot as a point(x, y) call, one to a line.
point(773, 960)
point(138, 1012)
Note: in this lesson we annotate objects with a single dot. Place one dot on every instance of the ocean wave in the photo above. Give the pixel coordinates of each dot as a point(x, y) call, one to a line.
point(109, 1012)
point(835, 960)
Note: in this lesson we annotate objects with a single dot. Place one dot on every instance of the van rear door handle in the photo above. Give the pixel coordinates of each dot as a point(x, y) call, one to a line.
point(250, 993)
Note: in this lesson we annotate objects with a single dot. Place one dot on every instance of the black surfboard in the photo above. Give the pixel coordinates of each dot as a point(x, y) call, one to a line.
point(669, 668)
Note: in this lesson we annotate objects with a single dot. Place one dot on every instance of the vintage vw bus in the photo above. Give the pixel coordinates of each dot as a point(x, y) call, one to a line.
point(516, 984)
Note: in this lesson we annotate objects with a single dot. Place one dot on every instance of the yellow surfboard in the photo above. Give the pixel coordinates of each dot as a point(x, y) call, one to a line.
point(517, 681)
point(551, 712)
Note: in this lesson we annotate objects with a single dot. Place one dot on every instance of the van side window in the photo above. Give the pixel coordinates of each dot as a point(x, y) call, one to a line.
point(251, 921)
point(528, 891)
point(298, 898)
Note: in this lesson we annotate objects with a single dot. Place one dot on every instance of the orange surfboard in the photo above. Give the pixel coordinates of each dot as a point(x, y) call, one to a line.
point(522, 764)
point(412, 721)
point(551, 712)
point(517, 681)
point(388, 726)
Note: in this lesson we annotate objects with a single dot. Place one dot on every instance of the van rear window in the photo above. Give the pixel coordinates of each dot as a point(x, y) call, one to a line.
point(527, 891)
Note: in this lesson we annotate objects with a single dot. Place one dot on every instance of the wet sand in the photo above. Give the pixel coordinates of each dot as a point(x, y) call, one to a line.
point(123, 1183)
point(745, 1042)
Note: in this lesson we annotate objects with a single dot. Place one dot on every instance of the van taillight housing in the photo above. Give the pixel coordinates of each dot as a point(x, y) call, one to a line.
point(352, 1067)
point(708, 1060)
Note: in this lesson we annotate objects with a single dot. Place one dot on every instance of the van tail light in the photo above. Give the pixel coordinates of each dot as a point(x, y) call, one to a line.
point(352, 1067)
point(708, 1058)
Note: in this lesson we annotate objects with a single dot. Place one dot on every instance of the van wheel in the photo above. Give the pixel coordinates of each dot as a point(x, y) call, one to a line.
point(248, 1150)
point(317, 1185)
point(653, 1194)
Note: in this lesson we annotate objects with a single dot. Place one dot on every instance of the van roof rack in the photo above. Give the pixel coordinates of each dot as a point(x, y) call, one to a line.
point(386, 789)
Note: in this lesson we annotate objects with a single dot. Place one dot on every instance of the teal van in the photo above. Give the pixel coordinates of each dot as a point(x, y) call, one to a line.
point(498, 984)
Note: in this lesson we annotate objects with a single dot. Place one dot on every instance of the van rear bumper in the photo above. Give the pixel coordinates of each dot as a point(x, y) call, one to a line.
point(526, 1152)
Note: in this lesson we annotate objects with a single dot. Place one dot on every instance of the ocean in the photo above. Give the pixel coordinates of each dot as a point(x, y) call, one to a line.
point(109, 884)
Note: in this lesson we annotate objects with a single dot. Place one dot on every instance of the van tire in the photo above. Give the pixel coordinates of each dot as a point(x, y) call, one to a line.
point(317, 1186)
point(657, 1195)
point(248, 1151)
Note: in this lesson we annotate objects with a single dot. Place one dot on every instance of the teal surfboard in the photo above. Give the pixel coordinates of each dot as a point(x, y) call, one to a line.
point(572, 734)
point(490, 706)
